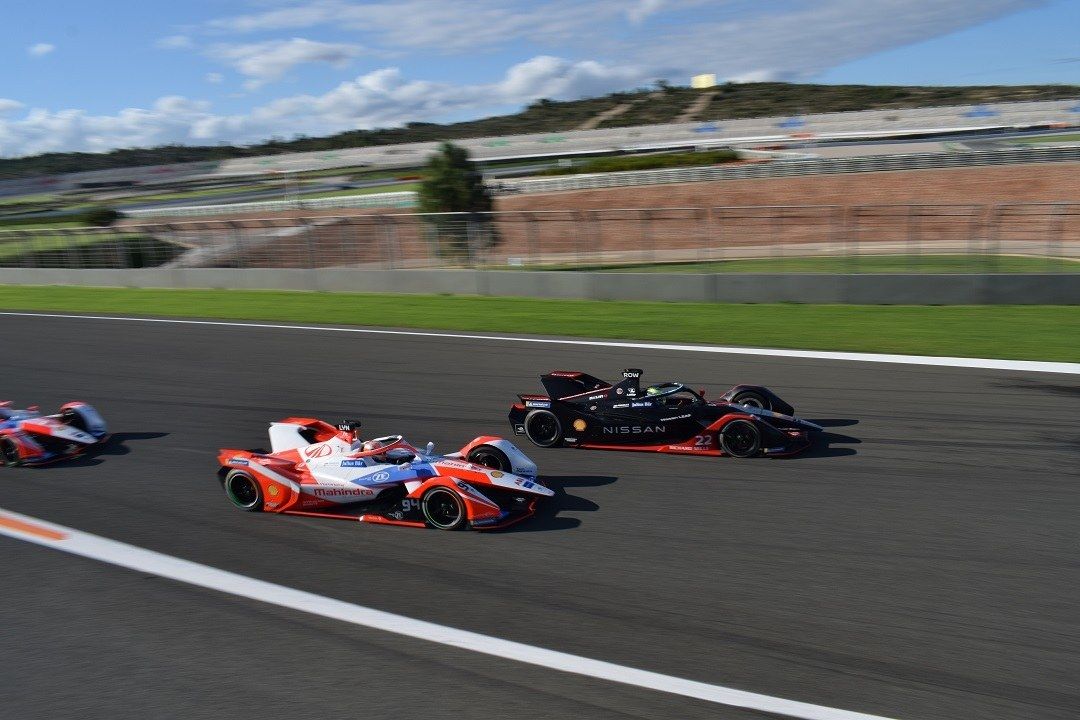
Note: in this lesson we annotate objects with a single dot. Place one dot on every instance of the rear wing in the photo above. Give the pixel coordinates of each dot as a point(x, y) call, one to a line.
point(567, 383)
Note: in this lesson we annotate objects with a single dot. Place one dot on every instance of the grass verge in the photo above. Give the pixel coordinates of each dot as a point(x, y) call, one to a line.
point(1009, 331)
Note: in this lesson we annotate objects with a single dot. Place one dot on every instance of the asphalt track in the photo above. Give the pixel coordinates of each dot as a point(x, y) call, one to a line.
point(919, 564)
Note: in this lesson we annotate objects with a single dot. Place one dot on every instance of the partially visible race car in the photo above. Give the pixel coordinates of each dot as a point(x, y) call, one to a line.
point(29, 438)
point(580, 410)
point(321, 470)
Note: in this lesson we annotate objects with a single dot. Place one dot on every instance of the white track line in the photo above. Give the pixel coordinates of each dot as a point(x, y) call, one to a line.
point(59, 537)
point(961, 362)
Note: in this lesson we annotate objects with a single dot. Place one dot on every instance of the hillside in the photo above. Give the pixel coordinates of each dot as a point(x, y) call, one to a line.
point(726, 102)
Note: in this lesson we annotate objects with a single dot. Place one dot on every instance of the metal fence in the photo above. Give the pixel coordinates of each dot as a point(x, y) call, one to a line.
point(918, 238)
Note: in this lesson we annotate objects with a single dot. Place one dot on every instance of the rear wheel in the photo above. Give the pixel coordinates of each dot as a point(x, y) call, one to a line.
point(753, 399)
point(741, 439)
point(243, 491)
point(543, 428)
point(489, 456)
point(9, 452)
point(443, 509)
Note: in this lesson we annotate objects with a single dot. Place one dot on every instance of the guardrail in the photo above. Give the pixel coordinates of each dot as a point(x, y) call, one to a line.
point(790, 168)
point(878, 289)
point(372, 200)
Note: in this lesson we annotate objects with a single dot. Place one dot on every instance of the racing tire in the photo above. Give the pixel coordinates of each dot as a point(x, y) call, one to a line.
point(9, 452)
point(443, 509)
point(490, 457)
point(740, 439)
point(753, 399)
point(543, 428)
point(74, 419)
point(243, 491)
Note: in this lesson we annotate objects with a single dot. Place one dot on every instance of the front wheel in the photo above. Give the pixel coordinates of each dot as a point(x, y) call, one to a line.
point(491, 457)
point(9, 452)
point(443, 509)
point(741, 439)
point(543, 428)
point(243, 491)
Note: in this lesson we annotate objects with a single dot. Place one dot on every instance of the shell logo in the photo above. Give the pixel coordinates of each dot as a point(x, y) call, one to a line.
point(580, 425)
point(496, 474)
point(273, 490)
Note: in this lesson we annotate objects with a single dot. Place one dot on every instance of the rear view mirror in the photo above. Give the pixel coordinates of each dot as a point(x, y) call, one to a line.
point(429, 448)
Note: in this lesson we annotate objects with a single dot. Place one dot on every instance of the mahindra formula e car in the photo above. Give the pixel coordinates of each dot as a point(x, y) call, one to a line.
point(321, 470)
point(29, 438)
point(580, 410)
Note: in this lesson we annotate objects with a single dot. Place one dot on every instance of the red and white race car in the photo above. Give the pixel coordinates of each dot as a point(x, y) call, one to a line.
point(29, 438)
point(319, 470)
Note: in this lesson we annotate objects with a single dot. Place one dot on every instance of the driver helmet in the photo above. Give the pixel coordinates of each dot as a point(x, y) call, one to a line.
point(375, 445)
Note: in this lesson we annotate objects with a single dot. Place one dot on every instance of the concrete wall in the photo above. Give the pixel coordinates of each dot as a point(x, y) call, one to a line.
point(877, 289)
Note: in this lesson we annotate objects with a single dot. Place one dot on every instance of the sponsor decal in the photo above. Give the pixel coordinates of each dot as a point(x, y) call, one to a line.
point(317, 451)
point(580, 425)
point(619, 391)
point(621, 405)
point(537, 403)
point(381, 476)
point(238, 461)
point(334, 492)
point(685, 447)
point(641, 404)
point(676, 417)
point(567, 439)
point(273, 490)
point(631, 391)
point(601, 396)
point(496, 474)
point(271, 504)
point(359, 462)
point(633, 429)
point(527, 484)
point(519, 429)
point(631, 374)
point(563, 373)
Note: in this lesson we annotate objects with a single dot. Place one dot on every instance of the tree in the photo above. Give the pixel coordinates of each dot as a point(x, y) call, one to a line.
point(453, 185)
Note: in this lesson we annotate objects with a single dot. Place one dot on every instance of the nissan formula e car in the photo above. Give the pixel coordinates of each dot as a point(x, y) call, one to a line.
point(317, 469)
point(580, 410)
point(29, 438)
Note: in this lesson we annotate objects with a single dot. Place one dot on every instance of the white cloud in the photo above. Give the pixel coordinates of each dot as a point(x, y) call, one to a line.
point(629, 44)
point(816, 36)
point(175, 42)
point(380, 98)
point(442, 25)
point(215, 78)
point(643, 9)
point(40, 49)
point(266, 61)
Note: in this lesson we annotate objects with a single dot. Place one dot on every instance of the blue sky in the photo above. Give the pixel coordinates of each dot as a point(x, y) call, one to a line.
point(119, 73)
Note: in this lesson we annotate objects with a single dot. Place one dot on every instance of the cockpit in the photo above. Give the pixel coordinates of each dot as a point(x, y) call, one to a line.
point(673, 395)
